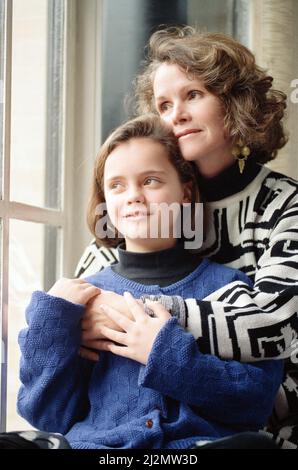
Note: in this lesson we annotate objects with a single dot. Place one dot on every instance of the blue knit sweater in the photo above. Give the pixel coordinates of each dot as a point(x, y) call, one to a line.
point(180, 396)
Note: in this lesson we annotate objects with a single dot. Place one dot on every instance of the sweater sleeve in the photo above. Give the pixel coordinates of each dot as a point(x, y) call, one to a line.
point(231, 392)
point(54, 390)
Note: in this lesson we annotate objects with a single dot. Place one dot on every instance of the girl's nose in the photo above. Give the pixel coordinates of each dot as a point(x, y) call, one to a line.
point(135, 195)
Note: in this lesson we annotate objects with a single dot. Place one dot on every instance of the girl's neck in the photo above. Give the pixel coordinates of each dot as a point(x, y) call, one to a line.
point(161, 268)
point(150, 245)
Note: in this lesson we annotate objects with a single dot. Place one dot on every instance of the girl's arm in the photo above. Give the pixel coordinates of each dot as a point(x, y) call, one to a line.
point(54, 391)
point(230, 392)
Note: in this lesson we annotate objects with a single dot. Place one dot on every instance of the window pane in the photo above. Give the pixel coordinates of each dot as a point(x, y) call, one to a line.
point(2, 13)
point(224, 16)
point(37, 81)
point(30, 268)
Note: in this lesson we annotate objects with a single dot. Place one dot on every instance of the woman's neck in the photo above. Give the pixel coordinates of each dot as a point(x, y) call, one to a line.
point(212, 165)
point(230, 181)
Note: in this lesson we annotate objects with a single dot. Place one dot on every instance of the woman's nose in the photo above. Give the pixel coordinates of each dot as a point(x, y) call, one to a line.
point(179, 114)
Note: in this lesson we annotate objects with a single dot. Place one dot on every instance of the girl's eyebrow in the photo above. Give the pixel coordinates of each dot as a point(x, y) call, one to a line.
point(143, 173)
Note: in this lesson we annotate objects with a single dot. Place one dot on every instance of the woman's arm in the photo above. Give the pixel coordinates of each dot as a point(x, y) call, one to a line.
point(250, 324)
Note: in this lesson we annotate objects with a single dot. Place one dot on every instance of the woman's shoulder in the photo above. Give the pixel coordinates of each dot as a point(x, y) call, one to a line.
point(94, 259)
point(274, 179)
point(269, 187)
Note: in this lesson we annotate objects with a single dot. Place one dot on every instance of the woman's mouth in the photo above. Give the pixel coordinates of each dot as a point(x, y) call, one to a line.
point(186, 133)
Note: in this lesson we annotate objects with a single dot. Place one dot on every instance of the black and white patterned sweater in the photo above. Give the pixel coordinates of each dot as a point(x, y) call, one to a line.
point(255, 230)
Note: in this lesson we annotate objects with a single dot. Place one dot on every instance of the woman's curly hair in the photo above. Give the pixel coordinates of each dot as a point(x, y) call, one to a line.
point(253, 109)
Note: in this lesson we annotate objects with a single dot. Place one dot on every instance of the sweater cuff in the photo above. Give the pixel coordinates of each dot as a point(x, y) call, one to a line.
point(160, 371)
point(175, 305)
point(60, 311)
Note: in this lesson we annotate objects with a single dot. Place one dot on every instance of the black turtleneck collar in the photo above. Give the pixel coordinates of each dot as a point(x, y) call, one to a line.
point(228, 182)
point(163, 267)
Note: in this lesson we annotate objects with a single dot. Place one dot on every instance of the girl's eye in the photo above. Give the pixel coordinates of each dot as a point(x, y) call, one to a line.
point(150, 181)
point(115, 185)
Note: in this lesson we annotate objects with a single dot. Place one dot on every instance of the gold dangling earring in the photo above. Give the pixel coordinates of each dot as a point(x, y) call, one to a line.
point(241, 153)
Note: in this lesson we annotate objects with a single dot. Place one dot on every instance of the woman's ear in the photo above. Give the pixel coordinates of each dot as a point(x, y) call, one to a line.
point(187, 191)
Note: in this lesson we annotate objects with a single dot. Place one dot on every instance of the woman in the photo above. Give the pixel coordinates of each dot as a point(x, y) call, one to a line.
point(228, 120)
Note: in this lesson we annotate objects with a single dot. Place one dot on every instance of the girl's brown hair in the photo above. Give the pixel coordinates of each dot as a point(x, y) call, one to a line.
point(148, 126)
point(253, 109)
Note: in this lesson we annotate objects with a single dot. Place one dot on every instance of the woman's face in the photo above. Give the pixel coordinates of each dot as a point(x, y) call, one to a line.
point(140, 184)
point(196, 116)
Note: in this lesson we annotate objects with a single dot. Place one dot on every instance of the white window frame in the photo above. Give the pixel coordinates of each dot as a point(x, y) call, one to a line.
point(81, 139)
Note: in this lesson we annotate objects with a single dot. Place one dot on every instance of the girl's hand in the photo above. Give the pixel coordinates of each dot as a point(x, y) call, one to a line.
point(76, 291)
point(95, 318)
point(138, 334)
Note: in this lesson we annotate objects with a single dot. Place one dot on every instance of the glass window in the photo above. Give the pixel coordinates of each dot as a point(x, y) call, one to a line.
point(30, 268)
point(223, 16)
point(36, 102)
point(32, 36)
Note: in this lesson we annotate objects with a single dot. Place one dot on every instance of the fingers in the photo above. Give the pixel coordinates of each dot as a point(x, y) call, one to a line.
point(92, 334)
point(114, 335)
point(90, 292)
point(98, 344)
point(136, 309)
point(159, 310)
point(87, 354)
point(115, 349)
point(117, 317)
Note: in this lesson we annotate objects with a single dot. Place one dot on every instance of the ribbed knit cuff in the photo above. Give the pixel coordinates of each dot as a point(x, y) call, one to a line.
point(175, 305)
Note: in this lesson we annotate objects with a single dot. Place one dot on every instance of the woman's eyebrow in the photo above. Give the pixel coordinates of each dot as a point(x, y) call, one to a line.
point(182, 89)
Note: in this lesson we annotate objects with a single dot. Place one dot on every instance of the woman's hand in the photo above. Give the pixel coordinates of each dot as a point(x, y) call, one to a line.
point(95, 318)
point(136, 334)
point(76, 291)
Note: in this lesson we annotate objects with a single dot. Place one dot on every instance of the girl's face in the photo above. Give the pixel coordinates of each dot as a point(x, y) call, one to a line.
point(196, 117)
point(140, 183)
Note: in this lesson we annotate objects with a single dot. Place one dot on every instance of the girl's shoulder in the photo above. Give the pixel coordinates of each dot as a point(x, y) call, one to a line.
point(227, 273)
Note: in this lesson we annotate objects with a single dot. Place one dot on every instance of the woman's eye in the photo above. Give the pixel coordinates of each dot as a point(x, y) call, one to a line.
point(163, 107)
point(194, 94)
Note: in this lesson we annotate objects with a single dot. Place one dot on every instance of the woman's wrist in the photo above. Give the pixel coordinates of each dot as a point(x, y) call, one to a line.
point(174, 304)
